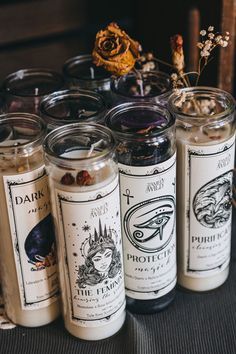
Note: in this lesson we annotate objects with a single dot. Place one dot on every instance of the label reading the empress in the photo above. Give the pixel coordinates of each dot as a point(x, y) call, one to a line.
point(208, 194)
point(90, 227)
point(29, 210)
point(148, 216)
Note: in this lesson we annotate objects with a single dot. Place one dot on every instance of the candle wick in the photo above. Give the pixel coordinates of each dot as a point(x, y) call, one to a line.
point(36, 100)
point(140, 84)
point(98, 143)
point(81, 112)
point(92, 72)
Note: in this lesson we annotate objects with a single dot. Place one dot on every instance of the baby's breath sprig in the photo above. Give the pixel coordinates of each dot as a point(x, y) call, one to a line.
point(209, 41)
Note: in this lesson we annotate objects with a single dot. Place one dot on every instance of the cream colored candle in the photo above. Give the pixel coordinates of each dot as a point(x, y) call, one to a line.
point(86, 208)
point(205, 160)
point(27, 247)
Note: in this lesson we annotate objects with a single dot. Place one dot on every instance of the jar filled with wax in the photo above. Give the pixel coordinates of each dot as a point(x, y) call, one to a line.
point(27, 244)
point(83, 176)
point(205, 148)
point(25, 88)
point(153, 86)
point(146, 156)
point(71, 106)
point(81, 73)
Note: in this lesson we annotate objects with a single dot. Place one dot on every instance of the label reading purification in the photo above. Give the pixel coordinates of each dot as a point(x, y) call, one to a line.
point(90, 227)
point(209, 195)
point(149, 236)
point(33, 240)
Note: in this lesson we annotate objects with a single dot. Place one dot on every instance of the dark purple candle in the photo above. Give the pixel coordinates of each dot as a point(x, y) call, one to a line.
point(146, 158)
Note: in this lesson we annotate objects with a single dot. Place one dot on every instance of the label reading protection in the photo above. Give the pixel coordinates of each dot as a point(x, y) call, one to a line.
point(149, 236)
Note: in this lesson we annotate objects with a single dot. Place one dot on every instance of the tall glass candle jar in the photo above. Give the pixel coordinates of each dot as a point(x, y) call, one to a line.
point(155, 87)
point(86, 206)
point(146, 156)
point(205, 149)
point(27, 243)
point(71, 106)
point(25, 88)
point(81, 73)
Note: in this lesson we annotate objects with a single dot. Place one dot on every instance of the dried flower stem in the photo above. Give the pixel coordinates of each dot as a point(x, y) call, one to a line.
point(139, 80)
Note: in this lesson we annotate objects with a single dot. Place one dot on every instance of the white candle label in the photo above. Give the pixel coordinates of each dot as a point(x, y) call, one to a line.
point(90, 223)
point(149, 236)
point(208, 193)
point(28, 203)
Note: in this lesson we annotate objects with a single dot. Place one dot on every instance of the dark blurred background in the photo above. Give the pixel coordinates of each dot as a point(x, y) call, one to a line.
point(47, 32)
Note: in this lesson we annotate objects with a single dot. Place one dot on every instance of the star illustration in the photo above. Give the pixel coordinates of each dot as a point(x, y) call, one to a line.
point(86, 228)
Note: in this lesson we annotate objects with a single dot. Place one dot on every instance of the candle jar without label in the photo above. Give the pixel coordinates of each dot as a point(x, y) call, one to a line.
point(27, 245)
point(146, 159)
point(81, 73)
point(205, 148)
point(24, 89)
point(153, 86)
point(83, 173)
point(72, 106)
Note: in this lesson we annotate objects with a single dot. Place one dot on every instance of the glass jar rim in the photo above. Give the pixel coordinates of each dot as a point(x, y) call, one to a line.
point(25, 147)
point(202, 90)
point(33, 72)
point(144, 105)
point(55, 135)
point(59, 96)
point(80, 59)
point(156, 73)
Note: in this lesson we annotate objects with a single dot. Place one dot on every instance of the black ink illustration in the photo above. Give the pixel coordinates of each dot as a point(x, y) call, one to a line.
point(149, 225)
point(127, 195)
point(39, 244)
point(212, 202)
point(102, 260)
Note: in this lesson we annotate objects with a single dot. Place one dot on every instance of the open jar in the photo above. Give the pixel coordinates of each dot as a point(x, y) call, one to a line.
point(71, 106)
point(81, 73)
point(83, 175)
point(146, 159)
point(25, 88)
point(27, 243)
point(153, 86)
point(205, 137)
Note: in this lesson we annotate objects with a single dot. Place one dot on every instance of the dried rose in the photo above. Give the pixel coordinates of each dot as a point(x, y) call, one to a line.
point(115, 50)
point(67, 179)
point(176, 43)
point(83, 178)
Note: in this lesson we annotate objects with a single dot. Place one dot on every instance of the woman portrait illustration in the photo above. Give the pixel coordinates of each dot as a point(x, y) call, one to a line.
point(102, 261)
